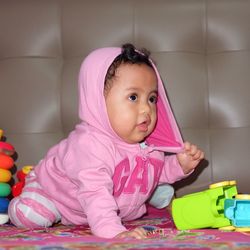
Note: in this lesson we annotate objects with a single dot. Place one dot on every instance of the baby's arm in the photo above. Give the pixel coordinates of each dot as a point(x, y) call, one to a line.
point(181, 165)
point(100, 206)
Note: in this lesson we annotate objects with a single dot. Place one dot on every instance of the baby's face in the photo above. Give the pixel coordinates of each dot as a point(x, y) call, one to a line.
point(131, 102)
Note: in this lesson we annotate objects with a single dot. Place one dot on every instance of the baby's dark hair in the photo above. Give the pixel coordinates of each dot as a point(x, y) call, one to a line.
point(129, 55)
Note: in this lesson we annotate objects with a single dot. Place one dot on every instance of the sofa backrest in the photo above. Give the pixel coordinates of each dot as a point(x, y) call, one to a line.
point(201, 48)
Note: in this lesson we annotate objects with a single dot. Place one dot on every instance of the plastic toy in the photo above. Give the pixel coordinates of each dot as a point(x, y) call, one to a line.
point(238, 210)
point(6, 163)
point(204, 209)
point(21, 174)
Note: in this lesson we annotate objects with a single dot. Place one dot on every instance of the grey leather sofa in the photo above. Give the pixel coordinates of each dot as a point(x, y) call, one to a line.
point(202, 48)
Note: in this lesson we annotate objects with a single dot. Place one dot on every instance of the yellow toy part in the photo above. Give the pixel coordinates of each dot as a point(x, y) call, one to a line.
point(228, 228)
point(27, 169)
point(236, 229)
point(222, 184)
point(242, 197)
point(242, 229)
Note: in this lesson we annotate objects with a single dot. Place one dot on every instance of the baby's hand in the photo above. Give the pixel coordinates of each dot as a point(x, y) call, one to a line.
point(137, 233)
point(190, 158)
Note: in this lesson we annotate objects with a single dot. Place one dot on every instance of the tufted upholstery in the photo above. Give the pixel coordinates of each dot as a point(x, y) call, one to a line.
point(201, 48)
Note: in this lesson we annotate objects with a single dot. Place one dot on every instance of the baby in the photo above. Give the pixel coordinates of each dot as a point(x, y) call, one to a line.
point(114, 160)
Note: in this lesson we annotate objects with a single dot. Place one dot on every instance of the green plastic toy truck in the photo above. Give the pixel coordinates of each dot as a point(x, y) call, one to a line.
point(204, 209)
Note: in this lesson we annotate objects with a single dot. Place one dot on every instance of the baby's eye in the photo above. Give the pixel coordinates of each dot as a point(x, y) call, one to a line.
point(133, 97)
point(153, 99)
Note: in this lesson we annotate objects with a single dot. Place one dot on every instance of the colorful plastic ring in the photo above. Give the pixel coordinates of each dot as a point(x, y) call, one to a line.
point(5, 189)
point(4, 203)
point(5, 175)
point(4, 218)
point(6, 148)
point(6, 161)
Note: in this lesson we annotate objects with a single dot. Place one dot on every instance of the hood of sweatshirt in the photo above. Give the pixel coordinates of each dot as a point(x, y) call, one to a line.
point(92, 108)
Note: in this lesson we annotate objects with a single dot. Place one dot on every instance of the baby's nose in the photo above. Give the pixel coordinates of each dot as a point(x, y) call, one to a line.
point(145, 108)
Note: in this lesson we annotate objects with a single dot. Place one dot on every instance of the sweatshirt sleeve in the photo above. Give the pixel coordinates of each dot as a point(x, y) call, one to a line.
point(172, 170)
point(98, 203)
point(92, 173)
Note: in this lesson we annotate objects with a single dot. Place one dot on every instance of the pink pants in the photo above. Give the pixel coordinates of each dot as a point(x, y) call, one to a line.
point(32, 208)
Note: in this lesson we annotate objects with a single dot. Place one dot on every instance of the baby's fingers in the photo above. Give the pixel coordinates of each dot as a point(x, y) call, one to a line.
point(193, 151)
point(199, 155)
point(138, 233)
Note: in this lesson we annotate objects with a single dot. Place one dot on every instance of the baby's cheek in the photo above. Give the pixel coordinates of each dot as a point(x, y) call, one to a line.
point(153, 120)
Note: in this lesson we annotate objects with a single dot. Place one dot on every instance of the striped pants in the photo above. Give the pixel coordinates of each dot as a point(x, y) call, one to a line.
point(32, 208)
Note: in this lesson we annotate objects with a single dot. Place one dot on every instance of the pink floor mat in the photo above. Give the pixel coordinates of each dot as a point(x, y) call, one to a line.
point(163, 235)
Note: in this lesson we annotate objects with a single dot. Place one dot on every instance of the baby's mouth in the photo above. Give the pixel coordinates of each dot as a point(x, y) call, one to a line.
point(143, 126)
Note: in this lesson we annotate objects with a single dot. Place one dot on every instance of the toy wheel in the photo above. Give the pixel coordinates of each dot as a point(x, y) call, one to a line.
point(228, 228)
point(242, 196)
point(222, 184)
point(242, 229)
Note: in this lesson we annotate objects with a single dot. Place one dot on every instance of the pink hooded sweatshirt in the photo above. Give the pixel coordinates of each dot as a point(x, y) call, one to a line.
point(96, 178)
